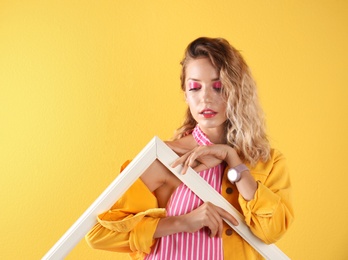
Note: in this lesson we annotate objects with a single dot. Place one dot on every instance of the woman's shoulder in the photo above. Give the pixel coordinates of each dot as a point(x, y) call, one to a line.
point(276, 155)
point(276, 160)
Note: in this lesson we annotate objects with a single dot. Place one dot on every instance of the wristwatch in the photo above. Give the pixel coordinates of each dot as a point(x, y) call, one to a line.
point(234, 174)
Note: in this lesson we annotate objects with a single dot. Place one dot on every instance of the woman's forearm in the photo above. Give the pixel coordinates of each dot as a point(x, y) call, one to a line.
point(169, 225)
point(247, 185)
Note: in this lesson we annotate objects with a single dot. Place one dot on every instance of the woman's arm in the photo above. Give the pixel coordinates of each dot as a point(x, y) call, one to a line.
point(206, 215)
point(265, 201)
point(270, 213)
point(130, 223)
point(205, 157)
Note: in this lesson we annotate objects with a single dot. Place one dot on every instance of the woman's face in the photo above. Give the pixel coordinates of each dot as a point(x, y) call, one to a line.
point(203, 92)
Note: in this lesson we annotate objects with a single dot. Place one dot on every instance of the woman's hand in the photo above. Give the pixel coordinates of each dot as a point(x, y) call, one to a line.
point(205, 157)
point(210, 216)
point(207, 215)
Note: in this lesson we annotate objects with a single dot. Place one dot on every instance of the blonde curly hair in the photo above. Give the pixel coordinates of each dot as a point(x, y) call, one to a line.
point(245, 124)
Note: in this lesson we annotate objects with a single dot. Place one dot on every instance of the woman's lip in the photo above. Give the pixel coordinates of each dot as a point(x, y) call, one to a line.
point(208, 113)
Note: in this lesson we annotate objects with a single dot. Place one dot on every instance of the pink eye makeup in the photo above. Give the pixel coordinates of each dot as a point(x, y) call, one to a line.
point(193, 85)
point(217, 85)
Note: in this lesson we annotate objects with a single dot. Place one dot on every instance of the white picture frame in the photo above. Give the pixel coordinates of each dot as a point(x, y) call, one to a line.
point(155, 149)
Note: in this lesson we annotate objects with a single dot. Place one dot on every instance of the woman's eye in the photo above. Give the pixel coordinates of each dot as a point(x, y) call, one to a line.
point(194, 86)
point(217, 86)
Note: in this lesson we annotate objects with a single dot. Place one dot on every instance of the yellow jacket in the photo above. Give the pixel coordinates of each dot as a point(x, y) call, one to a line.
point(131, 222)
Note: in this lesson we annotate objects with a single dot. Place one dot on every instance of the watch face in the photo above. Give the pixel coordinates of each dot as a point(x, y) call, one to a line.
point(232, 175)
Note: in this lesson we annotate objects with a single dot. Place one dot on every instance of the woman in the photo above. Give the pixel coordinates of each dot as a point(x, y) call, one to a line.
point(223, 134)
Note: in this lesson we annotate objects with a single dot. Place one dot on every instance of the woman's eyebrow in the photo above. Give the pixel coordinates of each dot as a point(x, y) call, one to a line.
point(193, 79)
point(215, 79)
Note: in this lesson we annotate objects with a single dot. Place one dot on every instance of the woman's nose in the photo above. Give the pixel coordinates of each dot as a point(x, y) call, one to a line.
point(206, 95)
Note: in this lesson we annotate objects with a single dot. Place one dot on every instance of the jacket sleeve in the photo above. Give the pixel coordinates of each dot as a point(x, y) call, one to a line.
point(129, 225)
point(270, 213)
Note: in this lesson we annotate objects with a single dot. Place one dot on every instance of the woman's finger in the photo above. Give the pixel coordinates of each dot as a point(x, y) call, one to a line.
point(200, 167)
point(180, 160)
point(225, 215)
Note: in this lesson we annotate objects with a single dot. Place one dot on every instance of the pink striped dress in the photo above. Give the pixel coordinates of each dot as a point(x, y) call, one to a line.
point(190, 246)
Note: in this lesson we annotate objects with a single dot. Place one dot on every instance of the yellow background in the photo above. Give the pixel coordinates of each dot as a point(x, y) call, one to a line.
point(84, 85)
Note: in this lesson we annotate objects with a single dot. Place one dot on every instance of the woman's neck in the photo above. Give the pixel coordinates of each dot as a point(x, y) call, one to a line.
point(215, 135)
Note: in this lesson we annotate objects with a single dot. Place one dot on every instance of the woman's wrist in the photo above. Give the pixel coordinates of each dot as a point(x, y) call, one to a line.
point(169, 225)
point(232, 158)
point(247, 185)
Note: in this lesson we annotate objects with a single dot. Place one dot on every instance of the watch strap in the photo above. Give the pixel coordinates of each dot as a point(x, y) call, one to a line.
point(239, 169)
